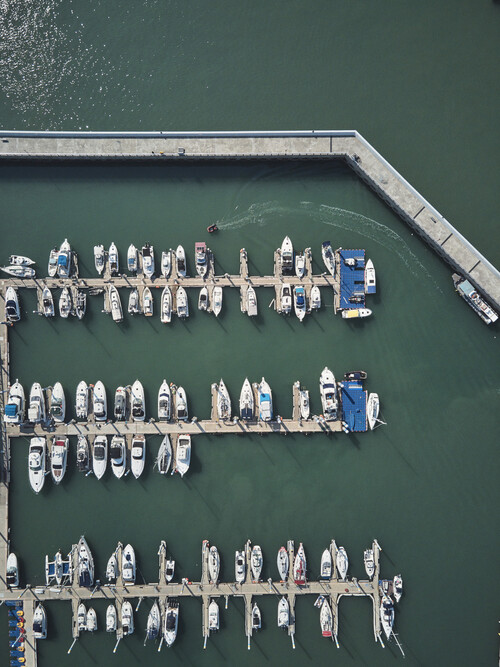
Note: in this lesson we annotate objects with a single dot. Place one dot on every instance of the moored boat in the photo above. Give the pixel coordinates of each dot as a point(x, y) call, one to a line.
point(326, 564)
point(65, 303)
point(166, 305)
point(138, 455)
point(304, 404)
point(283, 613)
point(201, 255)
point(203, 299)
point(112, 568)
point(315, 297)
point(166, 263)
point(64, 260)
point(213, 616)
point(47, 302)
point(127, 618)
point(81, 618)
point(342, 563)
point(183, 456)
point(120, 410)
point(58, 459)
point(138, 402)
point(372, 410)
point(83, 454)
point(180, 258)
point(328, 392)
point(12, 571)
point(99, 258)
point(147, 302)
point(182, 302)
point(286, 299)
point(85, 564)
point(397, 587)
point(36, 409)
point(369, 562)
point(300, 566)
point(128, 565)
point(239, 567)
point(287, 256)
point(39, 622)
point(57, 403)
point(19, 271)
point(370, 278)
point(213, 565)
point(148, 260)
point(223, 401)
point(37, 463)
point(256, 617)
point(469, 293)
point(132, 262)
point(118, 456)
point(181, 406)
point(15, 407)
point(300, 265)
point(113, 259)
point(246, 401)
point(171, 621)
point(256, 562)
point(265, 401)
point(354, 313)
point(326, 618)
point(81, 304)
point(100, 455)
point(217, 300)
point(164, 402)
point(99, 402)
point(169, 570)
point(283, 563)
point(111, 618)
point(328, 256)
point(12, 310)
point(115, 304)
point(252, 309)
point(164, 457)
point(133, 302)
point(52, 266)
point(299, 302)
point(154, 622)
point(387, 615)
point(20, 260)
point(91, 620)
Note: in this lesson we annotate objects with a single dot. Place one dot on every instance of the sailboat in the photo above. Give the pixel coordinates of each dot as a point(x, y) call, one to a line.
point(154, 622)
point(164, 457)
point(342, 563)
point(326, 618)
point(213, 565)
point(166, 305)
point(283, 613)
point(47, 302)
point(223, 402)
point(164, 402)
point(372, 410)
point(328, 256)
point(387, 615)
point(183, 456)
point(99, 258)
point(113, 259)
point(300, 566)
point(246, 401)
point(283, 563)
point(19, 271)
point(256, 562)
point(115, 304)
point(21, 260)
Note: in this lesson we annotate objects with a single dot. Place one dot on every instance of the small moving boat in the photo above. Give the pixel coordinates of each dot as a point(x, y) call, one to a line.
point(154, 622)
point(58, 459)
point(83, 454)
point(166, 305)
point(182, 302)
point(328, 256)
point(81, 618)
point(354, 313)
point(212, 228)
point(300, 265)
point(300, 566)
point(355, 375)
point(203, 299)
point(256, 562)
point(223, 402)
point(113, 259)
point(387, 615)
point(201, 255)
point(183, 457)
point(147, 302)
point(256, 617)
point(469, 293)
point(85, 564)
point(12, 310)
point(99, 402)
point(127, 619)
point(213, 616)
point(181, 407)
point(286, 299)
point(328, 392)
point(81, 304)
point(64, 260)
point(111, 618)
point(138, 455)
point(128, 565)
point(169, 570)
point(112, 568)
point(287, 256)
point(246, 401)
point(65, 303)
point(369, 562)
point(217, 300)
point(138, 402)
point(39, 622)
point(252, 309)
point(20, 260)
point(239, 566)
point(12, 571)
point(14, 410)
point(397, 587)
point(115, 304)
point(180, 257)
point(213, 565)
point(52, 267)
point(100, 455)
point(19, 271)
point(370, 278)
point(171, 621)
point(304, 404)
point(36, 409)
point(37, 463)
point(47, 303)
point(133, 302)
point(99, 258)
point(299, 302)
point(164, 457)
point(166, 263)
point(148, 260)
point(58, 404)
point(132, 261)
point(118, 456)
point(315, 297)
point(265, 401)
point(326, 618)
point(283, 563)
point(283, 613)
point(342, 563)
point(164, 402)
point(120, 410)
point(326, 564)
point(372, 410)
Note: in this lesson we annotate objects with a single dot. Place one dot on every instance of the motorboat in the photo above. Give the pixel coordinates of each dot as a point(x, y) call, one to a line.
point(91, 620)
point(369, 562)
point(283, 563)
point(239, 566)
point(20, 260)
point(99, 258)
point(52, 266)
point(154, 622)
point(166, 305)
point(315, 297)
point(203, 299)
point(328, 392)
point(65, 303)
point(12, 310)
point(304, 404)
point(183, 456)
point(300, 265)
point(113, 259)
point(256, 617)
point(164, 457)
point(138, 455)
point(128, 565)
point(181, 406)
point(81, 618)
point(36, 409)
point(468, 292)
point(120, 410)
point(180, 257)
point(252, 309)
point(81, 304)
point(111, 618)
point(166, 263)
point(328, 256)
point(217, 300)
point(147, 302)
point(58, 459)
point(99, 402)
point(299, 302)
point(19, 271)
point(47, 303)
point(64, 260)
point(169, 570)
point(148, 260)
point(287, 256)
point(372, 410)
point(132, 261)
point(326, 618)
point(387, 615)
point(138, 402)
point(223, 402)
point(342, 563)
point(247, 401)
point(256, 562)
point(12, 571)
point(100, 455)
point(83, 454)
point(265, 401)
point(326, 565)
point(182, 302)
point(213, 565)
point(286, 299)
point(164, 402)
point(112, 568)
point(300, 566)
point(213, 616)
point(118, 456)
point(133, 302)
point(201, 255)
point(370, 278)
point(283, 613)
point(171, 621)
point(397, 587)
point(39, 622)
point(115, 304)
point(14, 409)
point(37, 463)
point(354, 313)
point(57, 403)
point(355, 375)
point(85, 564)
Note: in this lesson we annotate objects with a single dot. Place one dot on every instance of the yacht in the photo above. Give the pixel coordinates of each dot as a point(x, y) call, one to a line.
point(182, 302)
point(65, 303)
point(328, 392)
point(19, 271)
point(99, 258)
point(37, 463)
point(128, 565)
point(58, 403)
point(370, 278)
point(369, 562)
point(148, 260)
point(47, 303)
point(342, 563)
point(326, 618)
point(36, 410)
point(180, 257)
point(99, 402)
point(239, 566)
point(213, 616)
point(372, 410)
point(52, 267)
point(300, 265)
point(115, 304)
point(138, 455)
point(256, 562)
point(14, 410)
point(387, 615)
point(251, 301)
point(83, 454)
point(154, 622)
point(469, 293)
point(91, 620)
point(164, 402)
point(147, 302)
point(12, 310)
point(287, 256)
point(171, 621)
point(166, 305)
point(81, 618)
point(183, 456)
point(64, 260)
point(203, 299)
point(181, 407)
point(112, 568)
point(326, 564)
point(58, 459)
point(304, 404)
point(354, 313)
point(118, 456)
point(127, 619)
point(283, 613)
point(81, 304)
point(39, 622)
point(328, 256)
point(169, 570)
point(133, 302)
point(213, 565)
point(166, 263)
point(256, 617)
point(200, 251)
point(299, 302)
point(100, 455)
point(223, 402)
point(265, 401)
point(20, 260)
point(12, 571)
point(113, 259)
point(137, 401)
point(217, 300)
point(111, 618)
point(132, 262)
point(397, 587)
point(283, 563)
point(164, 457)
point(85, 564)
point(315, 297)
point(120, 410)
point(246, 401)
point(300, 566)
point(286, 299)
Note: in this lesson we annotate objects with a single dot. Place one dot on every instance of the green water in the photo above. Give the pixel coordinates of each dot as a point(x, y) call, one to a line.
point(419, 82)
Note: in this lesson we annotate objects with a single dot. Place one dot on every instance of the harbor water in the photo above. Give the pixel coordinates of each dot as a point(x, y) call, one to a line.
point(426, 484)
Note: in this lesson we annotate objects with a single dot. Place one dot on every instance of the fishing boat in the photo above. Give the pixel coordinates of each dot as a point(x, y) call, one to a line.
point(132, 261)
point(201, 255)
point(171, 621)
point(217, 300)
point(203, 299)
point(300, 566)
point(326, 565)
point(99, 402)
point(115, 304)
point(99, 258)
point(148, 260)
point(138, 455)
point(147, 302)
point(283, 613)
point(300, 265)
point(12, 571)
point(81, 304)
point(251, 302)
point(283, 563)
point(133, 302)
point(111, 618)
point(286, 299)
point(246, 401)
point(256, 562)
point(326, 618)
point(65, 303)
point(83, 454)
point(118, 456)
point(183, 457)
point(397, 587)
point(169, 570)
point(370, 278)
point(223, 402)
point(14, 410)
point(304, 404)
point(36, 409)
point(112, 568)
point(19, 271)
point(127, 619)
point(166, 305)
point(372, 410)
point(328, 392)
point(47, 302)
point(265, 401)
point(39, 622)
point(342, 563)
point(213, 565)
point(64, 260)
point(128, 565)
point(213, 616)
point(20, 260)
point(181, 407)
point(113, 259)
point(354, 313)
point(100, 455)
point(299, 302)
point(58, 404)
point(12, 310)
point(91, 620)
point(166, 263)
point(287, 256)
point(469, 293)
point(315, 297)
point(81, 617)
point(256, 617)
point(154, 622)
point(164, 457)
point(138, 402)
point(37, 463)
point(85, 564)
point(164, 402)
point(52, 266)
point(182, 302)
point(369, 562)
point(120, 410)
point(387, 615)
point(180, 257)
point(239, 567)
point(328, 256)
point(58, 459)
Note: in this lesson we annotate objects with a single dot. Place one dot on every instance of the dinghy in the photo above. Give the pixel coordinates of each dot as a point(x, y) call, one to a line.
point(326, 565)
point(203, 299)
point(137, 401)
point(148, 260)
point(115, 304)
point(138, 455)
point(256, 562)
point(132, 262)
point(283, 563)
point(100, 455)
point(83, 454)
point(120, 410)
point(147, 302)
point(65, 303)
point(213, 565)
point(171, 621)
point(99, 402)
point(166, 305)
point(223, 402)
point(118, 456)
point(133, 302)
point(183, 457)
point(154, 622)
point(52, 266)
point(64, 260)
point(58, 459)
point(37, 463)
point(127, 619)
point(113, 259)
point(217, 300)
point(283, 613)
point(47, 302)
point(128, 565)
point(36, 410)
point(12, 310)
point(58, 404)
point(181, 407)
point(99, 258)
point(180, 257)
point(164, 457)
point(111, 618)
point(166, 263)
point(164, 402)
point(246, 401)
point(182, 302)
point(342, 563)
point(251, 302)
point(372, 410)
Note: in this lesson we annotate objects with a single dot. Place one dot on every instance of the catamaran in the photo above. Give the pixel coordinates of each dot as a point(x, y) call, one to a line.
point(99, 402)
point(328, 392)
point(164, 402)
point(138, 402)
point(115, 304)
point(256, 562)
point(287, 256)
point(113, 259)
point(182, 302)
point(223, 401)
point(283, 563)
point(47, 302)
point(148, 260)
point(12, 310)
point(58, 459)
point(99, 258)
point(180, 257)
point(128, 565)
point(36, 410)
point(372, 410)
point(14, 410)
point(166, 305)
point(138, 455)
point(118, 456)
point(132, 260)
point(65, 303)
point(246, 401)
point(64, 260)
point(58, 404)
point(265, 401)
point(342, 563)
point(166, 263)
point(183, 457)
point(37, 463)
point(100, 455)
point(201, 255)
point(164, 457)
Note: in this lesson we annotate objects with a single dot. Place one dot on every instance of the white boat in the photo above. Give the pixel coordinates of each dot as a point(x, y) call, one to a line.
point(201, 256)
point(256, 617)
point(213, 616)
point(299, 302)
point(148, 260)
point(120, 410)
point(20, 260)
point(181, 406)
point(256, 562)
point(217, 300)
point(203, 299)
point(85, 564)
point(99, 258)
point(111, 618)
point(100, 455)
point(128, 565)
point(342, 563)
point(57, 403)
point(328, 256)
point(64, 260)
point(166, 263)
point(182, 302)
point(47, 302)
point(223, 402)
point(36, 410)
point(239, 567)
point(12, 310)
point(99, 402)
point(213, 565)
point(300, 566)
point(138, 402)
point(169, 570)
point(397, 587)
point(252, 309)
point(326, 565)
point(52, 266)
point(14, 410)
point(112, 568)
point(58, 568)
point(115, 304)
point(132, 262)
point(113, 260)
point(354, 313)
point(147, 302)
point(37, 463)
point(83, 454)
point(326, 618)
point(183, 457)
point(65, 303)
point(372, 410)
point(265, 401)
point(154, 622)
point(164, 457)
point(469, 293)
point(138, 455)
point(82, 617)
point(81, 304)
point(39, 622)
point(127, 619)
point(118, 456)
point(287, 256)
point(247, 401)
point(305, 408)
point(19, 271)
point(369, 562)
point(180, 257)
point(91, 620)
point(12, 571)
point(166, 305)
point(286, 299)
point(59, 458)
point(283, 613)
point(328, 392)
point(171, 622)
point(370, 278)
point(315, 297)
point(283, 563)
point(133, 302)
point(387, 615)
point(164, 402)
point(300, 265)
